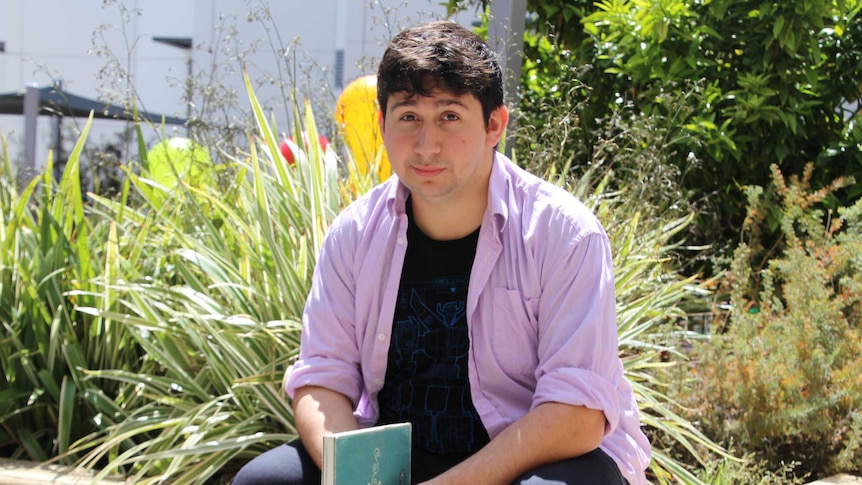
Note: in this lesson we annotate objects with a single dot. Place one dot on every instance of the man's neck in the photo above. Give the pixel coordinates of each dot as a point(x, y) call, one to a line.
point(449, 221)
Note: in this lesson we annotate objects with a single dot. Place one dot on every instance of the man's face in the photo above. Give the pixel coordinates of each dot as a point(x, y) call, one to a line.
point(439, 146)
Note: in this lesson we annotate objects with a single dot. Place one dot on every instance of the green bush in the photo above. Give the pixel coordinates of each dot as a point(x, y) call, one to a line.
point(782, 371)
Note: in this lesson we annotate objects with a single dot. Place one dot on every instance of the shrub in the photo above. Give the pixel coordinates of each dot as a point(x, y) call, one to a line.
point(781, 374)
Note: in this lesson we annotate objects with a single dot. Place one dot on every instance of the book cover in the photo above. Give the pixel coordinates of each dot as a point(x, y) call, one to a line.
point(379, 455)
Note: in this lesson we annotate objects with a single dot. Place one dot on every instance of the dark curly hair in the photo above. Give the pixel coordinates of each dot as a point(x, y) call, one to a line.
point(441, 55)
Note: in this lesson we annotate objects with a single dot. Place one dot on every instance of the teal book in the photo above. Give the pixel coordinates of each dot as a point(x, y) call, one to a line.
point(370, 456)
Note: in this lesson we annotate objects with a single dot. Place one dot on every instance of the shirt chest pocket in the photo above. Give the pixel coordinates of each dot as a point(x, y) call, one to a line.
point(514, 333)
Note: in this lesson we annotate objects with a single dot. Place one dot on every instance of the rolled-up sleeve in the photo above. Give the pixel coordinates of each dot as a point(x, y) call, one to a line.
point(329, 356)
point(577, 332)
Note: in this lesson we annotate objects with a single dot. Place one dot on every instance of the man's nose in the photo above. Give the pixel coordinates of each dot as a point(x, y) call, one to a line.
point(427, 141)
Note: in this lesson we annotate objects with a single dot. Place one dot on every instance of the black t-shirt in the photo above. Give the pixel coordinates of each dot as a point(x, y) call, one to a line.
point(426, 378)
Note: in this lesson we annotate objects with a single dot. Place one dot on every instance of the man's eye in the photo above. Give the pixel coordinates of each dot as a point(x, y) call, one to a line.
point(451, 117)
point(408, 117)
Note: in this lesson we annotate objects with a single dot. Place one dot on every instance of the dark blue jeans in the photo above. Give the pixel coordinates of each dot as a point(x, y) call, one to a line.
point(289, 464)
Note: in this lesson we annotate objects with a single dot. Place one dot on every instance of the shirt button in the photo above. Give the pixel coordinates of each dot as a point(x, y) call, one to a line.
point(381, 337)
point(400, 240)
point(378, 381)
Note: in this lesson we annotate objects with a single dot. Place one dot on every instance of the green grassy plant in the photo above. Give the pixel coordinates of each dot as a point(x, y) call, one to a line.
point(750, 470)
point(52, 253)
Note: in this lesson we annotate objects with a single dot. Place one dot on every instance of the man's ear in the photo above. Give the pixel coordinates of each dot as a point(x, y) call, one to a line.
point(497, 123)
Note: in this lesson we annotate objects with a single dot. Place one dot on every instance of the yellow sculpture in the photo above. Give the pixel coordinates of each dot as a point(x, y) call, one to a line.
point(357, 118)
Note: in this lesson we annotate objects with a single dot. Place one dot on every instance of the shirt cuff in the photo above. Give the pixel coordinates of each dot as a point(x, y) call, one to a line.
point(328, 373)
point(580, 387)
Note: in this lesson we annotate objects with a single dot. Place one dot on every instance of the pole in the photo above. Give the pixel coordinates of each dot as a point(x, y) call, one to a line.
point(31, 113)
point(57, 139)
point(506, 33)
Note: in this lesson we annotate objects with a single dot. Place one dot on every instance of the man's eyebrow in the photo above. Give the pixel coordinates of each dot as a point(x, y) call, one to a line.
point(450, 102)
point(411, 101)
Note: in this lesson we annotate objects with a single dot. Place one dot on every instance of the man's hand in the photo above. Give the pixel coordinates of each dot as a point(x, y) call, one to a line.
point(549, 433)
point(319, 411)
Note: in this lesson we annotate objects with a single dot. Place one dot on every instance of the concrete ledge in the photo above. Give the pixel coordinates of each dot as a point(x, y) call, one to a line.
point(842, 479)
point(22, 472)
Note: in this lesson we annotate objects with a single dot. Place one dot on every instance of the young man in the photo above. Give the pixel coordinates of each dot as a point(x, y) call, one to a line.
point(465, 296)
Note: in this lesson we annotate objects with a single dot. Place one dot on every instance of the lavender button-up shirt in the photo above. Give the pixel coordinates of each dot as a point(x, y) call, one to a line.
point(540, 310)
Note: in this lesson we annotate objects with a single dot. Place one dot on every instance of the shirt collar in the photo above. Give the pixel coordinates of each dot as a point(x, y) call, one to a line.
point(497, 212)
point(499, 186)
point(396, 196)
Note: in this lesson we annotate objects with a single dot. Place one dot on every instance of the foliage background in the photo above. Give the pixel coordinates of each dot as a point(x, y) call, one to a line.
point(740, 84)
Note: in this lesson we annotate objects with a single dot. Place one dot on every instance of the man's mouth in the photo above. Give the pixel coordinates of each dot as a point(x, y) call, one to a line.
point(427, 170)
